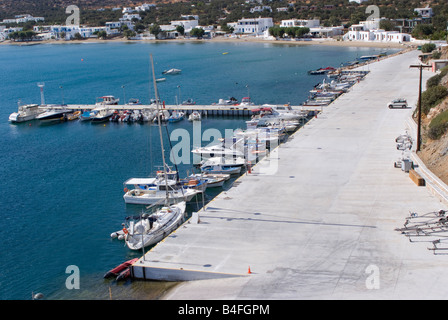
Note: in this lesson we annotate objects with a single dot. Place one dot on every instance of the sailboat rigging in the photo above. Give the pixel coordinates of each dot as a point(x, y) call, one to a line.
point(147, 230)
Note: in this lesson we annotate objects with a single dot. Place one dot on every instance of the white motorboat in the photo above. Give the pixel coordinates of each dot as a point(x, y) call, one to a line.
point(227, 165)
point(163, 114)
point(224, 149)
point(220, 168)
point(225, 161)
point(230, 101)
point(213, 180)
point(148, 115)
point(176, 116)
point(245, 102)
point(53, 113)
point(133, 102)
point(25, 113)
point(154, 190)
point(189, 102)
point(150, 229)
point(102, 115)
point(88, 115)
point(108, 100)
point(172, 71)
point(194, 116)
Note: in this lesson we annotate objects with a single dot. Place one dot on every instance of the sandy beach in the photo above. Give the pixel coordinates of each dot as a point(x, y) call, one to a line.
point(326, 42)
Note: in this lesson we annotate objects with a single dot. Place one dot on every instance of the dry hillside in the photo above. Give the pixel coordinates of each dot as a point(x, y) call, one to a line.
point(434, 153)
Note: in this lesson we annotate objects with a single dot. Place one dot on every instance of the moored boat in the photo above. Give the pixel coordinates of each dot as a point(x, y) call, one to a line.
point(147, 230)
point(108, 100)
point(25, 113)
point(120, 268)
point(73, 115)
point(176, 116)
point(102, 115)
point(194, 116)
point(172, 71)
point(88, 115)
point(53, 113)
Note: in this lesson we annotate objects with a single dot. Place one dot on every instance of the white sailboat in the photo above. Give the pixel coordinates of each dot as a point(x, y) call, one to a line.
point(160, 224)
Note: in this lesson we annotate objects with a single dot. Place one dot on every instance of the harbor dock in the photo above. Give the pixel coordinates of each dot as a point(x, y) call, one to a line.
point(205, 110)
point(315, 219)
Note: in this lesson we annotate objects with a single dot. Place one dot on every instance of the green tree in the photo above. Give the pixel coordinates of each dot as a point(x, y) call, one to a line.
point(129, 34)
point(180, 29)
point(78, 36)
point(423, 31)
point(432, 97)
point(102, 35)
point(197, 32)
point(155, 29)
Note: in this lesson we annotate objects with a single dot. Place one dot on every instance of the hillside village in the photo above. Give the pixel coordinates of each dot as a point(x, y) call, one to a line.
point(130, 25)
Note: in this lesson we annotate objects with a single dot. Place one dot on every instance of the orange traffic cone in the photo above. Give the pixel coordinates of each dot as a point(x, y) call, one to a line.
point(248, 271)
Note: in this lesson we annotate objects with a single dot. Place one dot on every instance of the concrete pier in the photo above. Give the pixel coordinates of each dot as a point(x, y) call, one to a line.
point(205, 110)
point(317, 219)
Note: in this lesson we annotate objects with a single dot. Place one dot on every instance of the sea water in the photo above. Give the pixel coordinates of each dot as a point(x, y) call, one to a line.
point(62, 184)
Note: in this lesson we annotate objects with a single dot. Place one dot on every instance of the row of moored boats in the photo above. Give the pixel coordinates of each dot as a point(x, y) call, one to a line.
point(216, 163)
point(336, 83)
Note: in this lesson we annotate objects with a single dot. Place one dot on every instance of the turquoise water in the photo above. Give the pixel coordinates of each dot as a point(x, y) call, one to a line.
point(62, 184)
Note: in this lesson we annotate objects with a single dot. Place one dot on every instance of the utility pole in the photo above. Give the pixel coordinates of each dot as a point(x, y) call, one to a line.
point(419, 119)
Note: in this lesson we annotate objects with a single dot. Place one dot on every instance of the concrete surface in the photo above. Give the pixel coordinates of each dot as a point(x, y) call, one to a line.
point(321, 226)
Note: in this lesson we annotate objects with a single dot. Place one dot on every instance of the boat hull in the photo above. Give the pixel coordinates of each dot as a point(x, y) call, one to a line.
point(155, 236)
point(147, 198)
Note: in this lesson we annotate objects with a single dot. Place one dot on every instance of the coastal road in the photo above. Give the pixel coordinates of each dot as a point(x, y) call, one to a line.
point(318, 222)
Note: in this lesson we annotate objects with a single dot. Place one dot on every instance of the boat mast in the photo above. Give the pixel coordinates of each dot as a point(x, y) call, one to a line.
point(160, 128)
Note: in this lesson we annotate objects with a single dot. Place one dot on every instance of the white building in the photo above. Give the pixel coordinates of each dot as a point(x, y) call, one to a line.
point(187, 24)
point(359, 32)
point(68, 32)
point(424, 12)
point(130, 17)
point(23, 18)
point(326, 32)
point(145, 7)
point(252, 26)
point(300, 23)
point(260, 9)
point(4, 32)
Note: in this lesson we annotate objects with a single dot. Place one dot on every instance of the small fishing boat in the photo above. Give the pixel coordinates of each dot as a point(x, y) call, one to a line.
point(160, 79)
point(172, 71)
point(115, 116)
point(322, 71)
point(88, 115)
point(124, 116)
point(102, 115)
point(107, 100)
point(149, 191)
point(189, 102)
point(136, 116)
point(147, 115)
point(115, 272)
point(219, 168)
point(194, 116)
point(133, 102)
point(213, 180)
point(25, 113)
point(73, 116)
point(230, 101)
point(176, 117)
